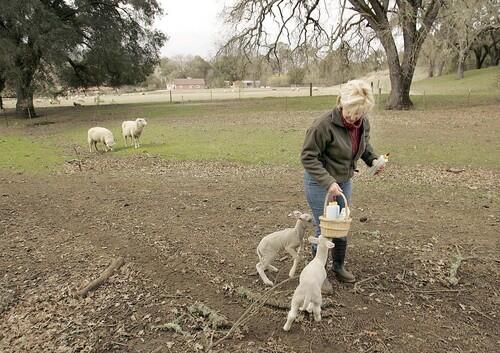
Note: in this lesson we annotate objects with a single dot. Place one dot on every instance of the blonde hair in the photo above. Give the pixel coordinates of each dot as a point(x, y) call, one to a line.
point(356, 97)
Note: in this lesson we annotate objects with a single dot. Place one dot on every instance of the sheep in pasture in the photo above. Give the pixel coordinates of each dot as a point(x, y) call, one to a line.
point(290, 239)
point(312, 277)
point(103, 135)
point(133, 129)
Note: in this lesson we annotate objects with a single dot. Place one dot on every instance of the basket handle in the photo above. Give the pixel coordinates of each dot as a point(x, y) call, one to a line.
point(346, 205)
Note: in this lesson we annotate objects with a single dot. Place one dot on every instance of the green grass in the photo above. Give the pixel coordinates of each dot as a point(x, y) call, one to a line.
point(483, 81)
point(28, 155)
point(247, 144)
point(260, 131)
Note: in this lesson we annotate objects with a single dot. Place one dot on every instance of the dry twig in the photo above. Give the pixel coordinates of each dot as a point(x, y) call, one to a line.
point(452, 278)
point(356, 285)
point(82, 293)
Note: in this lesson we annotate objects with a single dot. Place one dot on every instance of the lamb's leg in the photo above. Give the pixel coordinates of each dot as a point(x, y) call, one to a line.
point(95, 146)
point(136, 144)
point(90, 145)
point(260, 270)
point(272, 268)
point(126, 141)
point(316, 308)
point(292, 314)
point(295, 256)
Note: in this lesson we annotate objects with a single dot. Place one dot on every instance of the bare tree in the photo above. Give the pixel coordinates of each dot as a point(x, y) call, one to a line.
point(262, 24)
point(467, 22)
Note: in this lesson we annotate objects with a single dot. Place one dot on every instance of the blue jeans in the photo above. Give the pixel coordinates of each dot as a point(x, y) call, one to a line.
point(315, 195)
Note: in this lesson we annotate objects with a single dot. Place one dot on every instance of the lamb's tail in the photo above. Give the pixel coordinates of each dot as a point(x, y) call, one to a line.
point(307, 301)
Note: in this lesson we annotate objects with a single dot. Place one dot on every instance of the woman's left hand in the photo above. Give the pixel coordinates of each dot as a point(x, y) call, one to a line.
point(380, 170)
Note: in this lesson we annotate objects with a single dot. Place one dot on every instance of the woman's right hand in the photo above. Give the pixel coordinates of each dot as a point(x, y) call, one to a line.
point(334, 189)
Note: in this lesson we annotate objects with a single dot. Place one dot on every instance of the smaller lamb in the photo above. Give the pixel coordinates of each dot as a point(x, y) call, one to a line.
point(312, 277)
point(103, 135)
point(290, 239)
point(133, 129)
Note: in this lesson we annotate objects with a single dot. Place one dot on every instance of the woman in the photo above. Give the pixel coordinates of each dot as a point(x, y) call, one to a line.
point(332, 146)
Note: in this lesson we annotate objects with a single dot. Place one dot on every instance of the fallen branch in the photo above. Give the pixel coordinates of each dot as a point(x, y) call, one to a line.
point(428, 291)
point(356, 285)
point(482, 314)
point(82, 293)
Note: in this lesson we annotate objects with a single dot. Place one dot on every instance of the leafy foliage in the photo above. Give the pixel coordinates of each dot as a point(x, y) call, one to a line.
point(77, 43)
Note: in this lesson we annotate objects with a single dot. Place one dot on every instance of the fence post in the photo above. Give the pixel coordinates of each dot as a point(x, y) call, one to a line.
point(468, 98)
point(378, 96)
point(310, 89)
point(170, 96)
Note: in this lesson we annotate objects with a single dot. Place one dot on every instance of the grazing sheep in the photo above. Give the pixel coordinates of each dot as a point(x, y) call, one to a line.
point(133, 129)
point(290, 239)
point(312, 277)
point(100, 134)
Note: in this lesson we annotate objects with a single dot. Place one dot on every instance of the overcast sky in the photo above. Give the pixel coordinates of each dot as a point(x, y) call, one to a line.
point(192, 25)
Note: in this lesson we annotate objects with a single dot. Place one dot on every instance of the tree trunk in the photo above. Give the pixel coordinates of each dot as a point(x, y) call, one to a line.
point(24, 93)
point(399, 98)
point(461, 64)
point(477, 54)
point(2, 86)
point(480, 56)
point(440, 67)
point(430, 69)
point(24, 105)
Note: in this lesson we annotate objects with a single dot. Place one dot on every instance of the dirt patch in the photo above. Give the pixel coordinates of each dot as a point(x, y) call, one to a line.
point(188, 233)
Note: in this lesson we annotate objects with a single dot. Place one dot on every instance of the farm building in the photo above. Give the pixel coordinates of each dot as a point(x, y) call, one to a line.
point(188, 83)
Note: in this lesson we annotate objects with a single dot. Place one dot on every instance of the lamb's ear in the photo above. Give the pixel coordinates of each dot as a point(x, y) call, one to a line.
point(313, 240)
point(306, 217)
point(297, 214)
point(330, 245)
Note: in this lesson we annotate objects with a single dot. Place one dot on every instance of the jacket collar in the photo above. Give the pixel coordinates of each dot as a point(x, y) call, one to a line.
point(336, 117)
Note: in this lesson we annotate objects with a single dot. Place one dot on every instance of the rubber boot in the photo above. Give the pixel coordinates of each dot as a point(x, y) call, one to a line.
point(338, 261)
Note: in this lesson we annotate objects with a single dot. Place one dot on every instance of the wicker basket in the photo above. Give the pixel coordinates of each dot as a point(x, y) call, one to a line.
point(335, 228)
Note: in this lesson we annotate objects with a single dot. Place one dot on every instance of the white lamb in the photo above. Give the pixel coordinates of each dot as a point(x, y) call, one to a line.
point(290, 239)
point(103, 135)
point(133, 129)
point(312, 277)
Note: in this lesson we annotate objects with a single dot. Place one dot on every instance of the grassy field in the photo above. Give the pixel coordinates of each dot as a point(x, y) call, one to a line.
point(265, 131)
point(484, 81)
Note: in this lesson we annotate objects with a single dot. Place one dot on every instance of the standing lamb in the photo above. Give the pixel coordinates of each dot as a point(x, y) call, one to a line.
point(103, 135)
point(312, 277)
point(290, 239)
point(133, 129)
